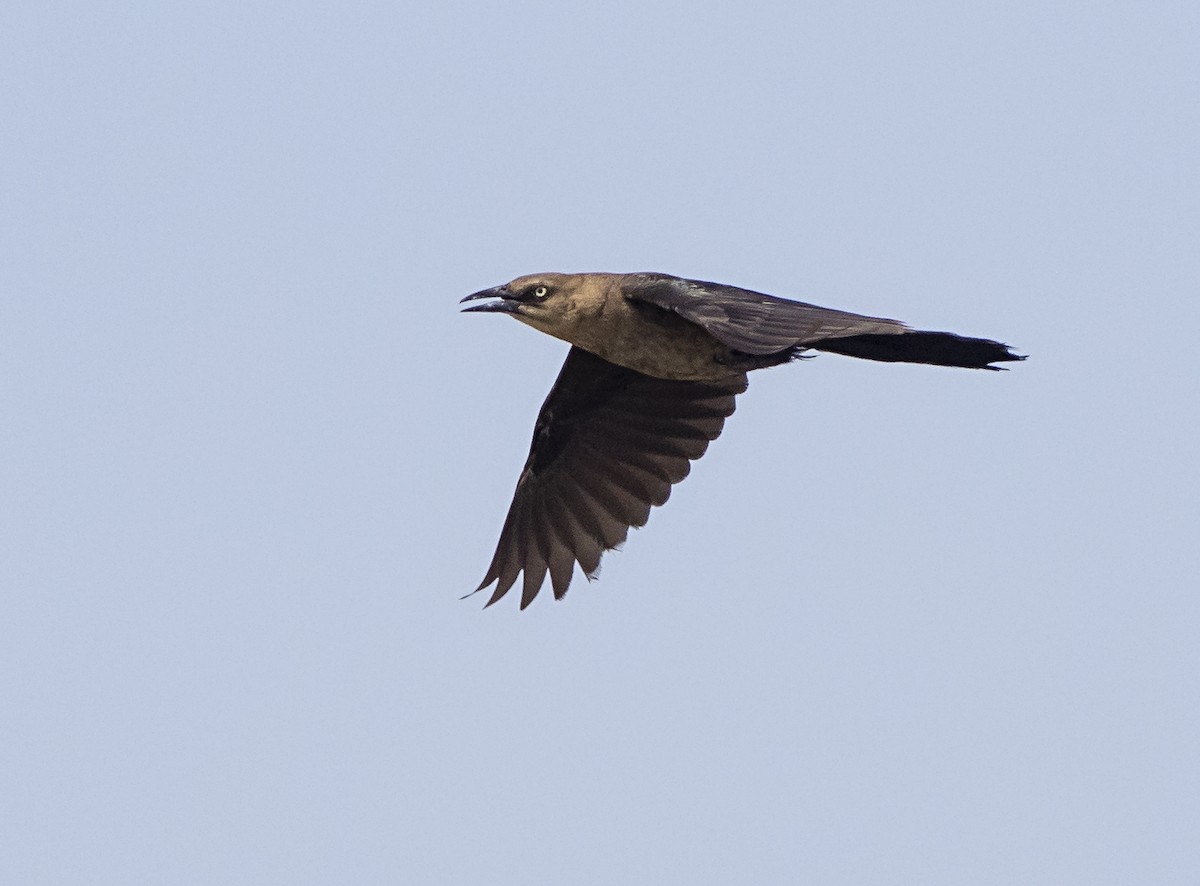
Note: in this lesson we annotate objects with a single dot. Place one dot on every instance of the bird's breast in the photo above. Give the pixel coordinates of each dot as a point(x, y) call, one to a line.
point(649, 340)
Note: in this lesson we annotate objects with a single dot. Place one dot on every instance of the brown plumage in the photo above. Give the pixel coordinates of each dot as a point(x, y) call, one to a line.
point(655, 364)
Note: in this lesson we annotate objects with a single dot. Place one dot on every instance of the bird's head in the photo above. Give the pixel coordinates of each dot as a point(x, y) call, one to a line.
point(544, 301)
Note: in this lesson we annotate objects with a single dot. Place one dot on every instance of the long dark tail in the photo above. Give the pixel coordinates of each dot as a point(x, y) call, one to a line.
point(936, 348)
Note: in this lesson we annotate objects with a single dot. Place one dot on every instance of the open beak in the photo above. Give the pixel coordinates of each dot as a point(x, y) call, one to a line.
point(506, 304)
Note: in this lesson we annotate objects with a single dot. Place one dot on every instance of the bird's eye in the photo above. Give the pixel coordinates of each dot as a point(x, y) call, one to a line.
point(541, 292)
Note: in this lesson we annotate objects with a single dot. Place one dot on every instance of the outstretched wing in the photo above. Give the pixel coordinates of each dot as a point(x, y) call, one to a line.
point(608, 445)
point(752, 322)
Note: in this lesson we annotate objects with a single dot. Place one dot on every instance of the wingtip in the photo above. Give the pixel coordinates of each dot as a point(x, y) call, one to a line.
point(499, 592)
point(482, 585)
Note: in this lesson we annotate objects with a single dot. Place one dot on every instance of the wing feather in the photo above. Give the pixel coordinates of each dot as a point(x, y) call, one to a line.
point(608, 445)
point(752, 322)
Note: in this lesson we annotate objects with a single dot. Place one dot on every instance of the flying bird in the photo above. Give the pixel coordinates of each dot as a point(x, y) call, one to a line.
point(655, 364)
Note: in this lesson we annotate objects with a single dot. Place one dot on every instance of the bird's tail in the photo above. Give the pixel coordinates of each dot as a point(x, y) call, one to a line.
point(916, 346)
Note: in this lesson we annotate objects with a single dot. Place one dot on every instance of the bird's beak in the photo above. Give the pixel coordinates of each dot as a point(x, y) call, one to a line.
point(506, 305)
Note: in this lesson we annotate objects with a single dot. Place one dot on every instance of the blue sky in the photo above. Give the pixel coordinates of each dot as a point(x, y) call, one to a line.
point(901, 624)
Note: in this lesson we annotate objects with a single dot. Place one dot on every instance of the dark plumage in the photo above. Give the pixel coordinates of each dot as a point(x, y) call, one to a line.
point(655, 364)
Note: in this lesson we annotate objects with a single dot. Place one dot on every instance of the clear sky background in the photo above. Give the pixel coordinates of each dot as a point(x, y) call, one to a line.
point(902, 624)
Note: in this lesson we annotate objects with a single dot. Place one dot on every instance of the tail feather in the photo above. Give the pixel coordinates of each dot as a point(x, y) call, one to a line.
point(935, 348)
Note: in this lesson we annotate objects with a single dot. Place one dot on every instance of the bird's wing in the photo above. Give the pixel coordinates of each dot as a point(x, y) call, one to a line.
point(608, 444)
point(751, 322)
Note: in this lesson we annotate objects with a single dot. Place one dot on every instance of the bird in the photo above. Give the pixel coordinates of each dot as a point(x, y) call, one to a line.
point(655, 365)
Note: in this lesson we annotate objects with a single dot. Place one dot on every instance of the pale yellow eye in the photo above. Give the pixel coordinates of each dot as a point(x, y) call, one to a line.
point(541, 292)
